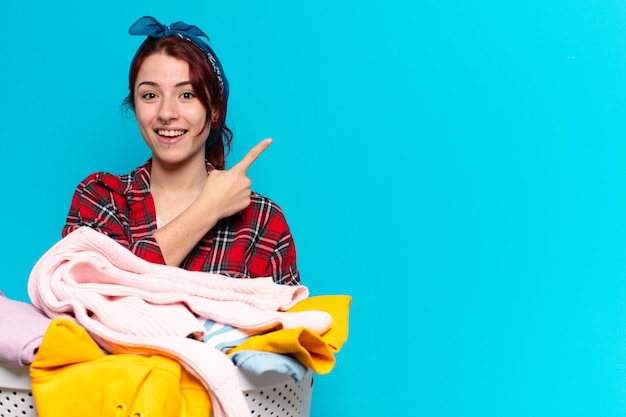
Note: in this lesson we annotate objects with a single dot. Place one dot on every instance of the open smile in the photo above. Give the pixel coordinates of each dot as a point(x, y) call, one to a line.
point(170, 133)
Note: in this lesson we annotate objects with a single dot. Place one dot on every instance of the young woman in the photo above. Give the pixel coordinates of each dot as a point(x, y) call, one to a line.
point(182, 207)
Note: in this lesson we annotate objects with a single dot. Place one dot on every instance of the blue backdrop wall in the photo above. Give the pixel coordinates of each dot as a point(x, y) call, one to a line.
point(457, 167)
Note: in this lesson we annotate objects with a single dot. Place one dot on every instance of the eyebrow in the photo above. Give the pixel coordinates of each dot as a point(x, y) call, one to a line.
point(153, 84)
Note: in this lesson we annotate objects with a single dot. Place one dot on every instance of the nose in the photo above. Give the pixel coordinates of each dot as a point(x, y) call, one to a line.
point(168, 110)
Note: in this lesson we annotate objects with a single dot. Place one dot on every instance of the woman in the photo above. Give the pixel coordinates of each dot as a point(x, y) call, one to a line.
point(181, 207)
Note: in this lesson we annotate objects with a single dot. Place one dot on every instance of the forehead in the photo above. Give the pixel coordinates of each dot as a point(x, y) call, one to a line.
point(163, 69)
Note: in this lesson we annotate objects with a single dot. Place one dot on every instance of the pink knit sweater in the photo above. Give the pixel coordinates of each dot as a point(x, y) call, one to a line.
point(129, 305)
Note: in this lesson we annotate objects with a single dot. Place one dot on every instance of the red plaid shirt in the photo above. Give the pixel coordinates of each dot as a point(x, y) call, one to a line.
point(256, 242)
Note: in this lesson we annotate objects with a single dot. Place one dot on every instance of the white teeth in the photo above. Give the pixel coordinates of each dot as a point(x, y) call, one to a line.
point(170, 133)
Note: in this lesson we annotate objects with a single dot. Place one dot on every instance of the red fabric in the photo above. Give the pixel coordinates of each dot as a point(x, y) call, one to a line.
point(254, 243)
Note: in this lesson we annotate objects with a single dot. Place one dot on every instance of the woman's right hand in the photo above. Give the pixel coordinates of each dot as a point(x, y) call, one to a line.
point(228, 191)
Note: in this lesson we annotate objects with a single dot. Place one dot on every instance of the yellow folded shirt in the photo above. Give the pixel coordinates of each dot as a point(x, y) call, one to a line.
point(71, 376)
point(311, 349)
point(338, 306)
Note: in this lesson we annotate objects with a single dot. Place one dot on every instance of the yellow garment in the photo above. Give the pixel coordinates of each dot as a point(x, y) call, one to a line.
point(310, 349)
point(338, 306)
point(71, 376)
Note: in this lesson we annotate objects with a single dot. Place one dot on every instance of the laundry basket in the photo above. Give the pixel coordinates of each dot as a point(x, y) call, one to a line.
point(16, 398)
point(269, 395)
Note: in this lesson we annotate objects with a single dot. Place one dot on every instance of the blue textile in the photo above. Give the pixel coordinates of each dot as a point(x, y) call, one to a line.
point(259, 362)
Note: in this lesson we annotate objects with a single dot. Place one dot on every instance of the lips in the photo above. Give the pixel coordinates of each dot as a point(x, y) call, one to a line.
point(170, 137)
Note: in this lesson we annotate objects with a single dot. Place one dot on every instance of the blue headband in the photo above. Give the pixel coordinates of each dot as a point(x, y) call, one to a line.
point(149, 26)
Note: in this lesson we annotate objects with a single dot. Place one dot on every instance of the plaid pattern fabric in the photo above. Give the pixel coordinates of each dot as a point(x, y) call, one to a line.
point(255, 242)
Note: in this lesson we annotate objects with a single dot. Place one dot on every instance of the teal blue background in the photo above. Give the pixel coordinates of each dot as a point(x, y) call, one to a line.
point(456, 167)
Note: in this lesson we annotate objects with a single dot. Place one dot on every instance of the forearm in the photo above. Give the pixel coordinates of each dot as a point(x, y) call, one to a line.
point(177, 238)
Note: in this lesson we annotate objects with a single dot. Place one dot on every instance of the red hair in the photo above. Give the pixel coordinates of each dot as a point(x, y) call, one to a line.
point(204, 82)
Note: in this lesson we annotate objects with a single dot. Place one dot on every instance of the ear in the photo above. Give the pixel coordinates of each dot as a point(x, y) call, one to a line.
point(215, 116)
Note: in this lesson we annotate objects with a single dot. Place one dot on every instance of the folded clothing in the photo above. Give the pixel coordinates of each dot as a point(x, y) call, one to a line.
point(313, 350)
point(259, 363)
point(22, 326)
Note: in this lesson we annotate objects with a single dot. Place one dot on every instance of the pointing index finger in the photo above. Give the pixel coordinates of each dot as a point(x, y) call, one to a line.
point(253, 154)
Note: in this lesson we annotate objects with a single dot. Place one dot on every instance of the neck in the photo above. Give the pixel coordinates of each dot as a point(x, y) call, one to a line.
point(180, 178)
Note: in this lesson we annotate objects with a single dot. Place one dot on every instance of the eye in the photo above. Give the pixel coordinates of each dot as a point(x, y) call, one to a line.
point(188, 95)
point(148, 96)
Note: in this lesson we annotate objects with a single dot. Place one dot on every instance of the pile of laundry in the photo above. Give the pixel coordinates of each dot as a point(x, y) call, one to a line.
point(102, 320)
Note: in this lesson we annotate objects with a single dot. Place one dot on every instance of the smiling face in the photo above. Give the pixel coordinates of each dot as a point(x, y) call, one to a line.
point(171, 118)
